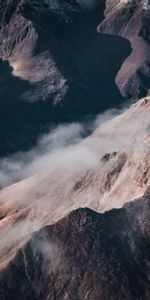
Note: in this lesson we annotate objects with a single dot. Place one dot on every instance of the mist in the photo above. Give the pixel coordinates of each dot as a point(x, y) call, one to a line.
point(41, 186)
point(54, 150)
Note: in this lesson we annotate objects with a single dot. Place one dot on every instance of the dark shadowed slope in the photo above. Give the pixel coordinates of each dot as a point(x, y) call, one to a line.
point(68, 68)
point(85, 256)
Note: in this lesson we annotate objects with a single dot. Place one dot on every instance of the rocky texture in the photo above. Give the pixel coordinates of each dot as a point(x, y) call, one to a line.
point(130, 19)
point(63, 62)
point(86, 255)
point(103, 172)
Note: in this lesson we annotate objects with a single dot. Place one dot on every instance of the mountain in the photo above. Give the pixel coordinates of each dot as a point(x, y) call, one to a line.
point(56, 66)
point(130, 19)
point(86, 255)
point(84, 175)
point(56, 58)
point(74, 209)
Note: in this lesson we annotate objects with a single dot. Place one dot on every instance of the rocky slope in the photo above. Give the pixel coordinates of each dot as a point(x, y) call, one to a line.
point(86, 255)
point(87, 174)
point(130, 19)
point(60, 63)
point(99, 252)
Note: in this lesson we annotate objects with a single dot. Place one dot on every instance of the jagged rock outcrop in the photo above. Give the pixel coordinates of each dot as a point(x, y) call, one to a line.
point(85, 255)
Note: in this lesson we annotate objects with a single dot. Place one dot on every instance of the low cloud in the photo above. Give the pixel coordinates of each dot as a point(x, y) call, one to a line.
point(60, 159)
point(55, 150)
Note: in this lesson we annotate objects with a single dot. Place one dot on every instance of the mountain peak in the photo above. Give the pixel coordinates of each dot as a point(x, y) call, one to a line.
point(104, 257)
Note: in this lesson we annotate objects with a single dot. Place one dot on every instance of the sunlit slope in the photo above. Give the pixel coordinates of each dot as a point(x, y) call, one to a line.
point(102, 172)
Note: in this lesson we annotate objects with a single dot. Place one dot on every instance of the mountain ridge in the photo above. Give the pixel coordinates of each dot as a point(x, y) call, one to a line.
point(74, 260)
point(74, 210)
point(49, 55)
point(131, 20)
point(86, 174)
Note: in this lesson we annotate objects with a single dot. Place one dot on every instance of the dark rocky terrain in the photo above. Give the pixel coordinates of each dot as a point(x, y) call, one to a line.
point(86, 255)
point(131, 21)
point(62, 66)
point(65, 68)
point(63, 61)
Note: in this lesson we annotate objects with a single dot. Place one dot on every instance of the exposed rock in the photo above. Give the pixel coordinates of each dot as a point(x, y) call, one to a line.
point(63, 62)
point(85, 255)
point(130, 19)
point(69, 183)
point(108, 156)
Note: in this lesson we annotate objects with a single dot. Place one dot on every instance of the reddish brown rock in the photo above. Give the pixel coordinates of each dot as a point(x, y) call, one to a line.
point(130, 19)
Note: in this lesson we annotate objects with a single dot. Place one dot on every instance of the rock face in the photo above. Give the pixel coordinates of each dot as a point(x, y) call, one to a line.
point(85, 256)
point(130, 19)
